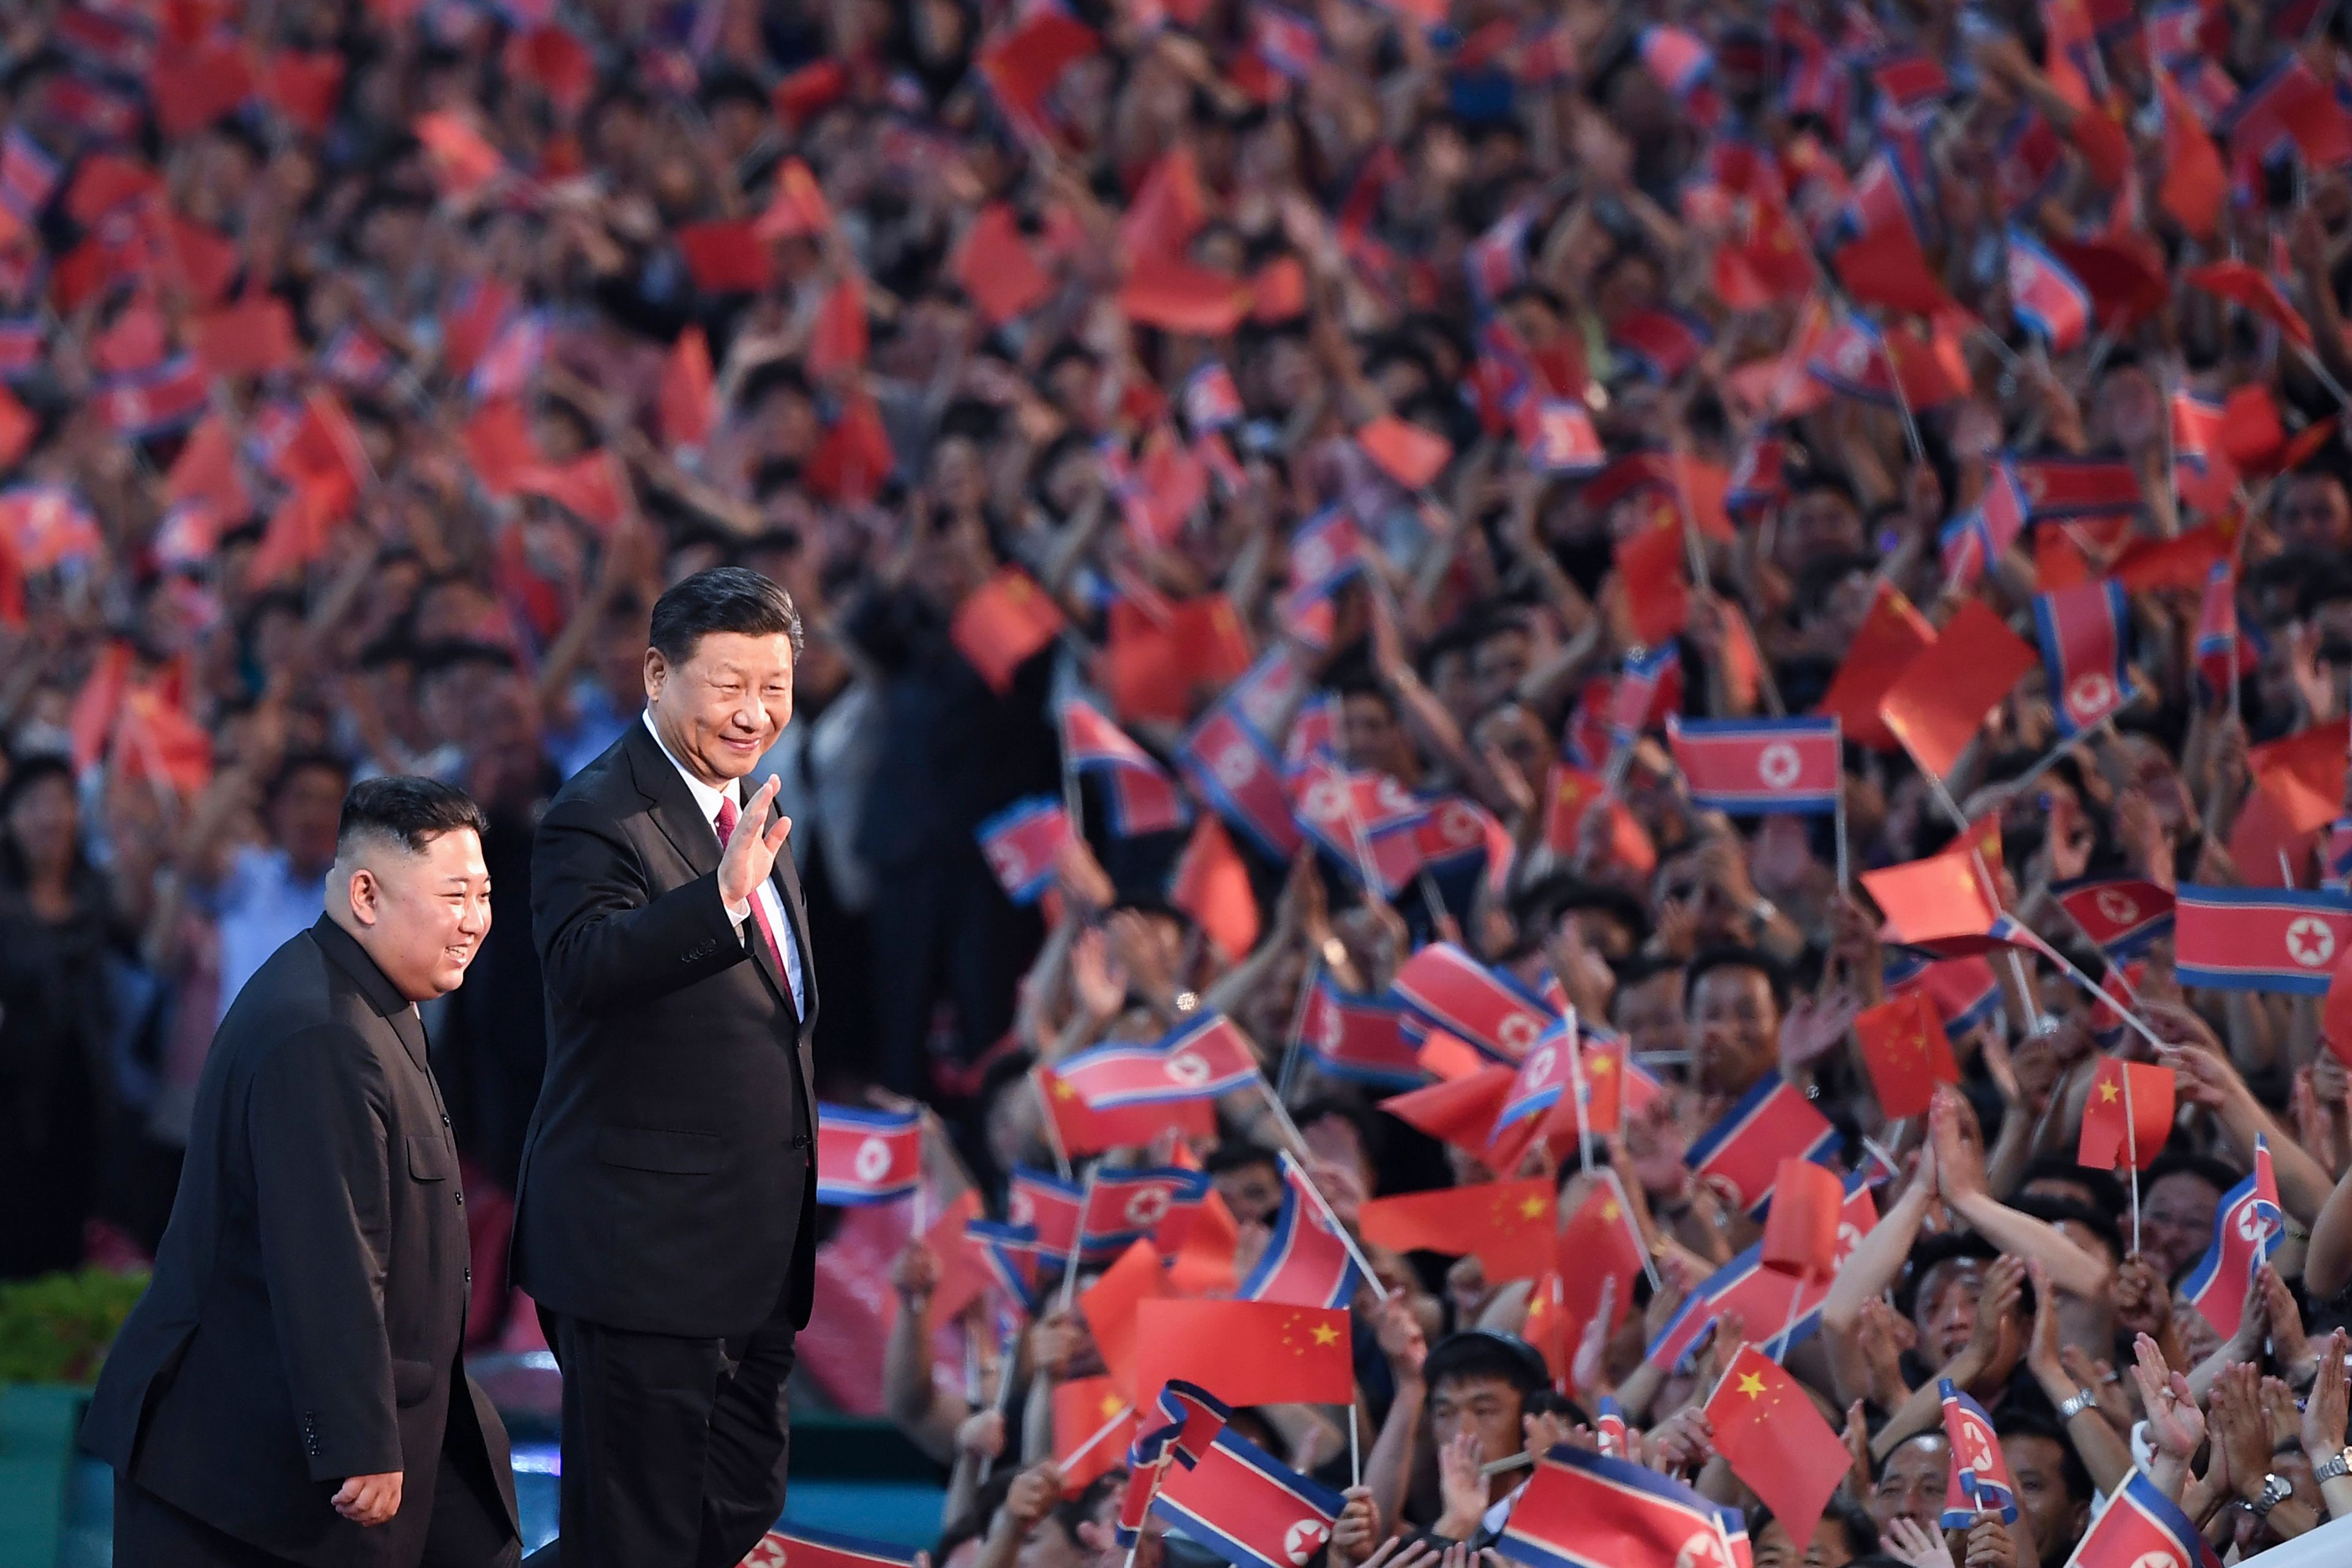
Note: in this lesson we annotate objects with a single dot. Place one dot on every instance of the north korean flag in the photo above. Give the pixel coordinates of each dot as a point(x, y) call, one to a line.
point(1234, 768)
point(2248, 1229)
point(2335, 851)
point(1660, 344)
point(1497, 261)
point(1286, 41)
point(2047, 300)
point(1445, 988)
point(1757, 766)
point(1124, 1206)
point(2121, 915)
point(1458, 838)
point(1588, 1510)
point(2085, 633)
point(1966, 992)
point(1327, 550)
point(1909, 82)
point(798, 1546)
point(1306, 1262)
point(22, 347)
point(2259, 939)
point(1558, 435)
point(1010, 1254)
point(1548, 1073)
point(1022, 843)
point(1772, 1122)
point(1973, 543)
point(2076, 487)
point(1144, 798)
point(1362, 818)
point(1685, 68)
point(1761, 475)
point(1980, 1482)
point(1760, 1294)
point(1358, 1037)
point(1851, 359)
point(2142, 1528)
point(28, 177)
point(1190, 1418)
point(866, 1156)
point(1248, 1507)
point(1649, 688)
point(163, 401)
point(1047, 1205)
point(1314, 738)
point(2223, 655)
point(1211, 400)
point(2197, 424)
point(1200, 1060)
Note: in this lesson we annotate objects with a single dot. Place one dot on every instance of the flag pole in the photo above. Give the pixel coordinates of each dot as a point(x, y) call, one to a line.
point(1640, 1242)
point(1290, 1163)
point(2131, 1149)
point(2016, 964)
point(1902, 403)
point(1796, 1299)
point(1295, 1041)
point(1078, 1242)
point(1281, 1114)
point(1355, 1452)
point(1576, 1088)
point(1844, 862)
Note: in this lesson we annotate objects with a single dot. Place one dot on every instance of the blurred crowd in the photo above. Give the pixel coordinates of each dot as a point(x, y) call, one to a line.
point(1436, 398)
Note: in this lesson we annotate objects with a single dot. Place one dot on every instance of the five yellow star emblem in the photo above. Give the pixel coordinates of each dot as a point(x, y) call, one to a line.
point(1751, 1386)
point(1325, 1335)
point(2106, 1092)
point(1531, 1206)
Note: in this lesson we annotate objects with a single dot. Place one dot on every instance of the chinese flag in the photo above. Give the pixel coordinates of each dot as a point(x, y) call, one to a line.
point(837, 336)
point(1598, 1243)
point(1773, 1438)
point(461, 159)
point(1800, 1231)
point(1156, 667)
point(1938, 702)
point(1278, 291)
point(2194, 185)
point(1405, 452)
point(1162, 291)
point(1167, 209)
point(962, 1275)
point(1658, 594)
point(687, 400)
point(251, 338)
point(797, 210)
point(16, 428)
point(1110, 1306)
point(1247, 1352)
point(2335, 1013)
point(1460, 1111)
point(1002, 624)
point(1449, 1057)
point(206, 470)
point(1203, 1264)
point(1212, 886)
point(1092, 1427)
point(2113, 1137)
point(2305, 772)
point(1892, 633)
point(1085, 1130)
point(724, 257)
point(1903, 1046)
point(1939, 903)
point(998, 270)
point(1510, 1227)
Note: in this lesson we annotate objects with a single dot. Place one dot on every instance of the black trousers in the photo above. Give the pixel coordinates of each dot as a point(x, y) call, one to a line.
point(467, 1531)
point(674, 1449)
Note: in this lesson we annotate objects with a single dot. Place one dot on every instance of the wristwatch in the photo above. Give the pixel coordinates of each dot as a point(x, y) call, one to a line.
point(2082, 1399)
point(2335, 1465)
point(2276, 1489)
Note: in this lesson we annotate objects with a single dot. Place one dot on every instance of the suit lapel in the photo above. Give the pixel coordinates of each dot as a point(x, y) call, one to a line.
point(411, 1030)
point(673, 811)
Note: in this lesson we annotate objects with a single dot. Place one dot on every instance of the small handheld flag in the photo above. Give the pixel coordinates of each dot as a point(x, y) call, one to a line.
point(1980, 1482)
point(866, 1156)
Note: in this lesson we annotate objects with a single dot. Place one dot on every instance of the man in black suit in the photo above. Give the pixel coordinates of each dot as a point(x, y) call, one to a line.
point(289, 1388)
point(664, 1214)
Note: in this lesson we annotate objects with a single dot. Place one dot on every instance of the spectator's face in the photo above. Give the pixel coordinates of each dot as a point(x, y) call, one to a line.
point(1946, 1312)
point(2313, 513)
point(1485, 1408)
point(1251, 1191)
point(1449, 677)
point(1912, 1485)
point(1649, 1014)
point(1500, 662)
point(725, 703)
point(1735, 1027)
point(1370, 736)
point(1049, 1546)
point(2038, 1465)
point(303, 816)
point(1830, 1549)
point(2176, 1220)
point(43, 822)
point(1819, 523)
point(1519, 736)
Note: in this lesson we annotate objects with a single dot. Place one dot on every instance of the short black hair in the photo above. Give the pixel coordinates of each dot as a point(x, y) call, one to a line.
point(721, 599)
point(1236, 1155)
point(2075, 1475)
point(410, 810)
point(299, 763)
point(1775, 973)
point(1469, 1354)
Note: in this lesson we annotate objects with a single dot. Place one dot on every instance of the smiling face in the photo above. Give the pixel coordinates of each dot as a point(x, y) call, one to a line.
point(724, 704)
point(421, 914)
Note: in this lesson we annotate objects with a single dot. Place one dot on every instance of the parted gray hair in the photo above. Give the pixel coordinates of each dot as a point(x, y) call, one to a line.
point(408, 810)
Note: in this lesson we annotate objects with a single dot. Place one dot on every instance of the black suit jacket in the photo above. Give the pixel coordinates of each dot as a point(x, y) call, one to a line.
point(666, 1181)
point(308, 1301)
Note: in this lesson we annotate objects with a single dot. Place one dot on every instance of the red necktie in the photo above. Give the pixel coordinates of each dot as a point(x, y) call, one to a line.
point(726, 824)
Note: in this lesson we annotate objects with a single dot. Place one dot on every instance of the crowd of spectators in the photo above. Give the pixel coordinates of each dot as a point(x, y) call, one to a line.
point(1479, 382)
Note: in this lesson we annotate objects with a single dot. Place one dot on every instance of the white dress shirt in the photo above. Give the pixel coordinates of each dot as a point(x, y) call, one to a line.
point(706, 802)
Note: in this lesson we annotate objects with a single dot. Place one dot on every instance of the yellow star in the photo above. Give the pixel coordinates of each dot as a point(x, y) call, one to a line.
point(1530, 1206)
point(1112, 1404)
point(1325, 1335)
point(1609, 1209)
point(1599, 1066)
point(1064, 1092)
point(2107, 1093)
point(1751, 1386)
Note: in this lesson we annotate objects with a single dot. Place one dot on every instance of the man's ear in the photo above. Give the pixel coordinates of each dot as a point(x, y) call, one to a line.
point(366, 896)
point(656, 672)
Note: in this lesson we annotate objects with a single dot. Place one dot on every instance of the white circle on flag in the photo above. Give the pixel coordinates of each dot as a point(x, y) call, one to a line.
point(873, 1161)
point(1011, 867)
point(1392, 795)
point(2116, 906)
point(1852, 359)
point(1458, 824)
point(1701, 1550)
point(2309, 941)
point(1778, 764)
point(1233, 765)
point(1186, 1068)
point(1334, 1028)
point(1321, 802)
point(2249, 1223)
point(1980, 1455)
point(1517, 1032)
point(1019, 1210)
point(1848, 1238)
point(1303, 1539)
point(1147, 1206)
point(1539, 1064)
point(2155, 1559)
point(769, 1554)
point(1314, 561)
point(2090, 693)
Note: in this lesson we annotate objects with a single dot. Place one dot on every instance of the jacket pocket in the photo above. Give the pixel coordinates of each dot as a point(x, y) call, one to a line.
point(413, 1382)
point(430, 1158)
point(657, 1149)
